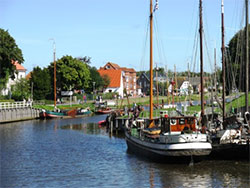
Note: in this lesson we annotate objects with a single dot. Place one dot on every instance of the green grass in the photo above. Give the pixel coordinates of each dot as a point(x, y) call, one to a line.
point(240, 102)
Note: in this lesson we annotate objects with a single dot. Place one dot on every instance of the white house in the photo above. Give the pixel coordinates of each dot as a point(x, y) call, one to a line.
point(185, 87)
point(20, 73)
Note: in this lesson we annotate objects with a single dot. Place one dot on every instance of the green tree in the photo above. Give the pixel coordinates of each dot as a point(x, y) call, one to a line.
point(96, 81)
point(106, 80)
point(70, 73)
point(21, 90)
point(235, 61)
point(42, 87)
point(9, 52)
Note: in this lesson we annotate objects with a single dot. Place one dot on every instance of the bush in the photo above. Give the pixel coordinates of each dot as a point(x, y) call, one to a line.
point(109, 95)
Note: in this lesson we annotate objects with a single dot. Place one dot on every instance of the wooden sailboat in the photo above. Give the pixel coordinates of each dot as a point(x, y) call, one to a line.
point(166, 139)
point(231, 141)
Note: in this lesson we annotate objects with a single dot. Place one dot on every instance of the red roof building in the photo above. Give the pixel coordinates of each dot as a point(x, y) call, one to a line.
point(120, 77)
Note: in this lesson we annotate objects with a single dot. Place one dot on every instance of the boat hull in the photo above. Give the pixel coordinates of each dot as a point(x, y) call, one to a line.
point(230, 151)
point(50, 114)
point(176, 152)
point(103, 111)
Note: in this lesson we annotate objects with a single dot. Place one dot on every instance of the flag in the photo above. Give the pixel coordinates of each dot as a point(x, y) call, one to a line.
point(156, 5)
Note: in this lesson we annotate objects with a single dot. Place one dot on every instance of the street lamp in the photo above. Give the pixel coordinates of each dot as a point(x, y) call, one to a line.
point(93, 89)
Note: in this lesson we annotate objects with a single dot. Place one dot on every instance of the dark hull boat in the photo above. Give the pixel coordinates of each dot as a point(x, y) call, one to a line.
point(177, 140)
point(231, 151)
point(231, 141)
point(172, 139)
point(165, 153)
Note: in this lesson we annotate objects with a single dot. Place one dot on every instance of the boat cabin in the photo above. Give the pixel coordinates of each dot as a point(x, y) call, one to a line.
point(178, 124)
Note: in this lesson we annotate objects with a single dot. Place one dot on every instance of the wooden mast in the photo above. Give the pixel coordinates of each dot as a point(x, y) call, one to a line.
point(54, 55)
point(201, 61)
point(223, 61)
point(151, 65)
point(247, 58)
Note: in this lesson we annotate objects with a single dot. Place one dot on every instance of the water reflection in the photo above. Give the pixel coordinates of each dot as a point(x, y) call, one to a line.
point(86, 128)
point(78, 153)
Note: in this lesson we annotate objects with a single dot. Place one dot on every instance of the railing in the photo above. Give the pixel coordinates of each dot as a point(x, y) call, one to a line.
point(11, 105)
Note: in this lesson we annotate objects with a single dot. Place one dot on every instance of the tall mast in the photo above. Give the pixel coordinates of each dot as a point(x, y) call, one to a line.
point(223, 61)
point(189, 91)
point(167, 85)
point(201, 61)
point(247, 58)
point(54, 59)
point(157, 86)
point(151, 62)
point(214, 81)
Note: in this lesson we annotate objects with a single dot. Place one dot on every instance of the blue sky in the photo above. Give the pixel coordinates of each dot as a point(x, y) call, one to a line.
point(115, 30)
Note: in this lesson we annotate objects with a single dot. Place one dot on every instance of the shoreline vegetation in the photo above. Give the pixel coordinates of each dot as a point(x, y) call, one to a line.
point(144, 101)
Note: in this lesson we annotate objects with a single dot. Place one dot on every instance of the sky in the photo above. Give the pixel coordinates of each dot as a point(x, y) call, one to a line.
point(116, 31)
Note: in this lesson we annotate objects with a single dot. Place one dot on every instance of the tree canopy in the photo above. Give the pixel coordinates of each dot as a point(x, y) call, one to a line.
point(42, 87)
point(96, 80)
point(70, 73)
point(106, 80)
point(9, 52)
point(235, 61)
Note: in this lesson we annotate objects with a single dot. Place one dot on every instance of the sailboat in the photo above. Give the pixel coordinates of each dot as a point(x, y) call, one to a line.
point(231, 140)
point(165, 139)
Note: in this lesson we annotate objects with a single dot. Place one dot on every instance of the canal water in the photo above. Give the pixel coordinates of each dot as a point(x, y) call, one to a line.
point(77, 153)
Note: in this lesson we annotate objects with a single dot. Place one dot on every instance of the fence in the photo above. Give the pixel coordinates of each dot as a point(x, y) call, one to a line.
point(15, 105)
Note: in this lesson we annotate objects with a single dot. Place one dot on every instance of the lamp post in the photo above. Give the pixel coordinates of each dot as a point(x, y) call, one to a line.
point(93, 90)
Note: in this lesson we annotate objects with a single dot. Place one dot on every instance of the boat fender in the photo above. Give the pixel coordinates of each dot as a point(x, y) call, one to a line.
point(126, 124)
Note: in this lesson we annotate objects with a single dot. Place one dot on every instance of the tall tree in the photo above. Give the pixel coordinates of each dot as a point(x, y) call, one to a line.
point(235, 64)
point(106, 80)
point(9, 52)
point(42, 87)
point(70, 73)
point(96, 81)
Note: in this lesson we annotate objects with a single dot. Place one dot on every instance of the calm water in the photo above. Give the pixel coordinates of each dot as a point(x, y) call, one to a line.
point(77, 153)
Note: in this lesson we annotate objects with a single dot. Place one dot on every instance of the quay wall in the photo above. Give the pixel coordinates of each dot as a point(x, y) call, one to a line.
point(18, 114)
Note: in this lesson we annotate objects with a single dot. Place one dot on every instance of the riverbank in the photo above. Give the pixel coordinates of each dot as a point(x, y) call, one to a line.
point(18, 114)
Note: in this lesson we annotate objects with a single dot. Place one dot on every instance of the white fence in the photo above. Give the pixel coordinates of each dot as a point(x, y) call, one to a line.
point(11, 105)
